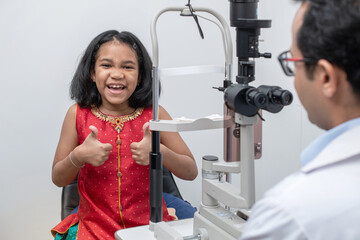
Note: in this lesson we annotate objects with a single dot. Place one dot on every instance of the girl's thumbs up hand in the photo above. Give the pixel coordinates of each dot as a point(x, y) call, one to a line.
point(92, 151)
point(141, 150)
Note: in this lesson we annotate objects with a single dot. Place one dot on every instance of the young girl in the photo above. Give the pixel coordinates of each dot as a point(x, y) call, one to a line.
point(105, 139)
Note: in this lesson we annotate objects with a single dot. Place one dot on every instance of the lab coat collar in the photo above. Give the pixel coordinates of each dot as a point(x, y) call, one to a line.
point(343, 147)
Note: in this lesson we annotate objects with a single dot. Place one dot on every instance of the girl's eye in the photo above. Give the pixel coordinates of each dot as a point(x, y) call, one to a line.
point(128, 67)
point(106, 65)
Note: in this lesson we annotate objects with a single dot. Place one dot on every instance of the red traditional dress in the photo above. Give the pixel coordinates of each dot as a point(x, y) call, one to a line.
point(115, 195)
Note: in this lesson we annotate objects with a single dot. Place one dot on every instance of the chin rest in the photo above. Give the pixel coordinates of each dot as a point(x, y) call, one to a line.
point(70, 195)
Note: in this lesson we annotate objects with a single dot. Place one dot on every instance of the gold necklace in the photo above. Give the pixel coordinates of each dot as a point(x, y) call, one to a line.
point(116, 121)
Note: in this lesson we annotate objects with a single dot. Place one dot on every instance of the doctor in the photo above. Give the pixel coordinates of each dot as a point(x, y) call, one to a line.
point(322, 200)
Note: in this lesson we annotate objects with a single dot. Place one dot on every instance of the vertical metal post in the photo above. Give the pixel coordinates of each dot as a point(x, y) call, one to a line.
point(247, 171)
point(156, 169)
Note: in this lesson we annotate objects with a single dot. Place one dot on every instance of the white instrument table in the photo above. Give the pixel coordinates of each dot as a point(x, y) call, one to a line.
point(184, 227)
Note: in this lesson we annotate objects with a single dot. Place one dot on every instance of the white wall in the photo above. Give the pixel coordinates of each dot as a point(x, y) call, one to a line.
point(40, 45)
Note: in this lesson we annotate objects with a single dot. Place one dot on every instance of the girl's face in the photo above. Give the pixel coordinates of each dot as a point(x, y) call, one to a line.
point(116, 76)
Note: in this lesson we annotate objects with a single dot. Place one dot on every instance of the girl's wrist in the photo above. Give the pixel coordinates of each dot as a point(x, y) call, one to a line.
point(73, 156)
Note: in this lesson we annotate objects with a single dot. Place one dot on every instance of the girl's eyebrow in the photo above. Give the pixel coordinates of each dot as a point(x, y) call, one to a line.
point(129, 62)
point(105, 60)
point(123, 62)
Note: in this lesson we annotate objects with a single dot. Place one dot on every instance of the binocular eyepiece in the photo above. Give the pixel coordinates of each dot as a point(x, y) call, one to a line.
point(247, 100)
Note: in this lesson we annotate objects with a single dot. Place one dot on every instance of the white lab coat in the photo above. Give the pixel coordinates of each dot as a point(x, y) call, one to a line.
point(322, 201)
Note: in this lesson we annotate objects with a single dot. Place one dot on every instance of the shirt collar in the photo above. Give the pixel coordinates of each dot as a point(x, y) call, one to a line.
point(310, 152)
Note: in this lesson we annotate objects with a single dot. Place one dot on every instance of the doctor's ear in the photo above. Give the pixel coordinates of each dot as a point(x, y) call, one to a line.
point(326, 72)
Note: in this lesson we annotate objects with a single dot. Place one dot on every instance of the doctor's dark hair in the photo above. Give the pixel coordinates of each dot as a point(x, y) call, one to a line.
point(83, 90)
point(331, 31)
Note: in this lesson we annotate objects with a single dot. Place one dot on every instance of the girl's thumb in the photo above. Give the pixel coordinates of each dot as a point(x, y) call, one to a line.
point(94, 132)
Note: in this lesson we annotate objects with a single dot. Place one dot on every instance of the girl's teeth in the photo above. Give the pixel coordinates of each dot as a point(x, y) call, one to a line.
point(116, 86)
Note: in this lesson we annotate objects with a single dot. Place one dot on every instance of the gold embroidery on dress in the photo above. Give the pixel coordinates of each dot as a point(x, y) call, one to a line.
point(116, 122)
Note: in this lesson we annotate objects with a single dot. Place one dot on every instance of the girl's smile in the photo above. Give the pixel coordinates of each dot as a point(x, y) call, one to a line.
point(116, 88)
